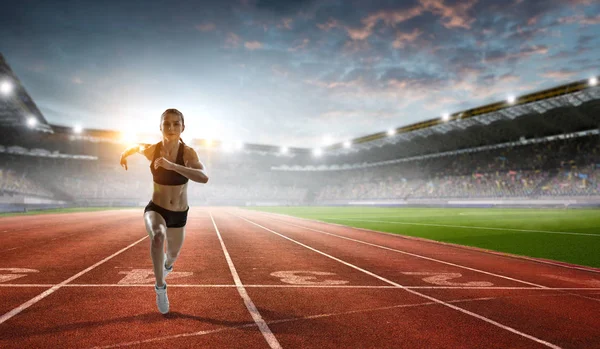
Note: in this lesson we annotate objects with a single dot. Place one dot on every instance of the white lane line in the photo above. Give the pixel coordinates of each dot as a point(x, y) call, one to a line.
point(464, 226)
point(399, 236)
point(416, 255)
point(51, 290)
point(264, 328)
point(490, 321)
point(309, 317)
point(321, 286)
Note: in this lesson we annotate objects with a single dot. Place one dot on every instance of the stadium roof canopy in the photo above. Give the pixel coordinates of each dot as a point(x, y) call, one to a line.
point(563, 109)
point(16, 106)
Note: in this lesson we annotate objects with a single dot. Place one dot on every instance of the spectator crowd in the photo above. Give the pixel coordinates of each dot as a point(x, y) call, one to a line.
point(567, 167)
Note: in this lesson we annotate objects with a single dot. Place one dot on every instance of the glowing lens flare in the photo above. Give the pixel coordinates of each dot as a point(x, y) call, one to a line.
point(128, 137)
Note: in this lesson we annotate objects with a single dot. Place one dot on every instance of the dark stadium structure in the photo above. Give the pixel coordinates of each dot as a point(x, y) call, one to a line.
point(18, 107)
point(544, 148)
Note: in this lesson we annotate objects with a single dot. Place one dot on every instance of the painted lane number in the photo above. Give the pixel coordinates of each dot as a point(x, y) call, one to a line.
point(442, 279)
point(16, 273)
point(303, 277)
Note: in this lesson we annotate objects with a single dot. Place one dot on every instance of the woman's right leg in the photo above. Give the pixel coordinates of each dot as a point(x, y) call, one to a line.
point(157, 230)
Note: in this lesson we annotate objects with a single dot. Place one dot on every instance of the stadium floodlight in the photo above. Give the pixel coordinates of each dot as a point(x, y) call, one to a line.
point(347, 144)
point(6, 87)
point(77, 129)
point(593, 81)
point(391, 132)
point(318, 152)
point(239, 145)
point(284, 150)
point(446, 116)
point(31, 121)
point(208, 142)
point(511, 99)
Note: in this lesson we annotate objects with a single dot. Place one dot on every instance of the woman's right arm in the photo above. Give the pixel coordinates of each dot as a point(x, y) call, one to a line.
point(138, 148)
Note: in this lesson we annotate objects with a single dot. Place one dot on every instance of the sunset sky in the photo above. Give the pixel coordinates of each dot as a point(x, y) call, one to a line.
point(290, 72)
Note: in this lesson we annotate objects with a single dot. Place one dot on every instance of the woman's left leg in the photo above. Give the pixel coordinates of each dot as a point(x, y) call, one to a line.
point(175, 238)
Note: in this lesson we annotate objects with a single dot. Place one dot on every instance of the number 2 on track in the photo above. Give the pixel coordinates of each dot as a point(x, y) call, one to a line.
point(441, 279)
point(292, 277)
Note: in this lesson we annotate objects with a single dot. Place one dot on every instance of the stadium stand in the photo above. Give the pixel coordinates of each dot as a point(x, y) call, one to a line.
point(545, 145)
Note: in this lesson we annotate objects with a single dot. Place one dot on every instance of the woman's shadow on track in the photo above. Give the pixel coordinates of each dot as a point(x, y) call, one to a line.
point(141, 320)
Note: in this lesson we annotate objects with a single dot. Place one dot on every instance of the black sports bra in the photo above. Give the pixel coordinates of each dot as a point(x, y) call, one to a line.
point(167, 177)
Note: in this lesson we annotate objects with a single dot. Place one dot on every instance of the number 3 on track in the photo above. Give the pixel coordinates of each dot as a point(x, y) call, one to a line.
point(441, 279)
point(292, 277)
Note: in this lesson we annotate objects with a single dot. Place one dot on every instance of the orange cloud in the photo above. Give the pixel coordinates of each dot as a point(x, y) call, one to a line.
point(558, 74)
point(403, 38)
point(580, 19)
point(300, 46)
point(477, 91)
point(359, 33)
point(390, 18)
point(455, 16)
point(330, 24)
point(528, 51)
point(253, 45)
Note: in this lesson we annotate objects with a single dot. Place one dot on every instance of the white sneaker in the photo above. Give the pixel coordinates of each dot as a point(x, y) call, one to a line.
point(162, 301)
point(165, 270)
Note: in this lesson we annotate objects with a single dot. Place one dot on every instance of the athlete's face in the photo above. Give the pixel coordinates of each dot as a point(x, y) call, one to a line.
point(172, 126)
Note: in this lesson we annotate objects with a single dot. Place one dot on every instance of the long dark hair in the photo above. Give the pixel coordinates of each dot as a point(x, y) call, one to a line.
point(176, 112)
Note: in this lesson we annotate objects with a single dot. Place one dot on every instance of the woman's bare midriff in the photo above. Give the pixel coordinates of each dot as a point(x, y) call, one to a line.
point(170, 197)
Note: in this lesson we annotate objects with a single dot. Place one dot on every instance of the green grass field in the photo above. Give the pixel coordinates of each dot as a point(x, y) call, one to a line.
point(564, 235)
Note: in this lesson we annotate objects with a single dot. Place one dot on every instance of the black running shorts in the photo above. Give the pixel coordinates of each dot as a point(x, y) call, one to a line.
point(174, 219)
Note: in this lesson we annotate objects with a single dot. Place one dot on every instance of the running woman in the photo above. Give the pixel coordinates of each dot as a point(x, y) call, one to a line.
point(173, 163)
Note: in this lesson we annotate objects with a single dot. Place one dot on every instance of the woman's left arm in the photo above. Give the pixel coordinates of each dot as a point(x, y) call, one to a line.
point(193, 169)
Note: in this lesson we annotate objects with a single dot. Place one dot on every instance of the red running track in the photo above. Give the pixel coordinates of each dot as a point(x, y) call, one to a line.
point(248, 279)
